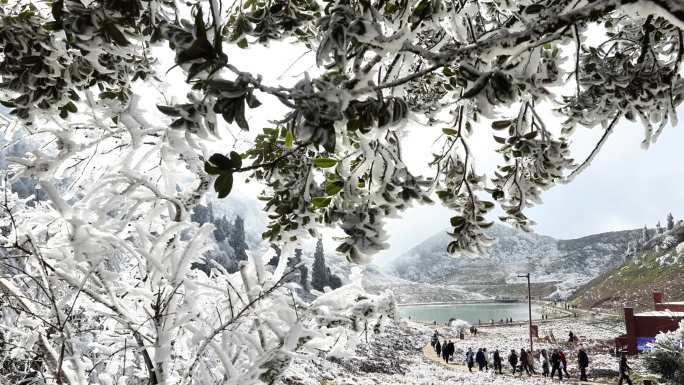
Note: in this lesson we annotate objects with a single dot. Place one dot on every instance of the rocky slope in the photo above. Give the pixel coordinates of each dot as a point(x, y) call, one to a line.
point(571, 262)
point(657, 265)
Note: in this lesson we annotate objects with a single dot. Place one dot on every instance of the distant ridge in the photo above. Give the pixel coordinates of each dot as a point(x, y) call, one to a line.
point(568, 262)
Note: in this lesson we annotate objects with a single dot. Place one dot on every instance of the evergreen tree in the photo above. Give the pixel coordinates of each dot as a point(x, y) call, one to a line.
point(644, 234)
point(333, 280)
point(201, 214)
point(670, 221)
point(304, 277)
point(659, 229)
point(296, 259)
point(237, 239)
point(319, 274)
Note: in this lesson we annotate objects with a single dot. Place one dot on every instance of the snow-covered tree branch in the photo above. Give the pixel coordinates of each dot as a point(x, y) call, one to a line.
point(120, 154)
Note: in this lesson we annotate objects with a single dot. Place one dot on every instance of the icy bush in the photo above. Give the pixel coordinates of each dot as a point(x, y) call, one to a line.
point(666, 358)
point(669, 242)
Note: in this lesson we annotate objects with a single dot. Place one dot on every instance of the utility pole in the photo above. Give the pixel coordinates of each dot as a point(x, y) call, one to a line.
point(529, 305)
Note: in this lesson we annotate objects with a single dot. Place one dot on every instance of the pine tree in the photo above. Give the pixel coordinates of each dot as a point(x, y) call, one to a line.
point(296, 259)
point(333, 280)
point(670, 221)
point(223, 228)
point(659, 229)
point(200, 215)
point(319, 274)
point(237, 239)
point(304, 277)
point(644, 234)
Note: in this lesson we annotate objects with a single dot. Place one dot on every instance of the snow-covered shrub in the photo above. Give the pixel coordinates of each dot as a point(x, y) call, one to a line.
point(459, 325)
point(342, 318)
point(666, 358)
point(680, 249)
point(669, 242)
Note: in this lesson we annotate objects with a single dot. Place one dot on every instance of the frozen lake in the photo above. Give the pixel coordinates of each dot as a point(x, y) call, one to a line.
point(471, 312)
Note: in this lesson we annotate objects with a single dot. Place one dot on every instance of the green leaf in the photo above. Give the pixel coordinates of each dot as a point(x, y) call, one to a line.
point(533, 8)
point(449, 131)
point(289, 139)
point(242, 43)
point(320, 202)
point(478, 86)
point(324, 162)
point(499, 139)
point(530, 135)
point(115, 34)
point(391, 7)
point(252, 101)
point(457, 221)
point(333, 187)
point(223, 185)
point(221, 161)
point(235, 159)
point(547, 45)
point(501, 124)
point(71, 107)
point(168, 110)
point(210, 169)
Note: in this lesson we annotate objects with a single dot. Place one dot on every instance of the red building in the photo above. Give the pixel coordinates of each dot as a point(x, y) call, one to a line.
point(643, 327)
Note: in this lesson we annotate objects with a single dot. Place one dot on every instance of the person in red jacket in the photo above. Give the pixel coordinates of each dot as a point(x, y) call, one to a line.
point(564, 362)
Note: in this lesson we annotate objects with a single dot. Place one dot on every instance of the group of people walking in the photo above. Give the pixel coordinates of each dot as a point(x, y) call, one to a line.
point(552, 362)
point(446, 350)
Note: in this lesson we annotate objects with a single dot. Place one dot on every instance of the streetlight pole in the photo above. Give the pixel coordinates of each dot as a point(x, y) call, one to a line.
point(529, 305)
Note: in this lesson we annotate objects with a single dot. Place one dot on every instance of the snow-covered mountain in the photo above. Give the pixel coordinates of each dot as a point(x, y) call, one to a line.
point(655, 265)
point(547, 259)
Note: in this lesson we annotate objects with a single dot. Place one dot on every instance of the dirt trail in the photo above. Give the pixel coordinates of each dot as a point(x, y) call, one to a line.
point(431, 355)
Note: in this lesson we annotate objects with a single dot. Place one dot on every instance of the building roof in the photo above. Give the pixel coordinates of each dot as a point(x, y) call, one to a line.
point(663, 313)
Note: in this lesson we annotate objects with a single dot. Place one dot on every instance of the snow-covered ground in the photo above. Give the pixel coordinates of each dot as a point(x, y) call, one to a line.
point(395, 356)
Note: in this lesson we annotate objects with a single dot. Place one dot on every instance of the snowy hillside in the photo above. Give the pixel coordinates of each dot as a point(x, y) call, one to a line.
point(549, 260)
point(656, 265)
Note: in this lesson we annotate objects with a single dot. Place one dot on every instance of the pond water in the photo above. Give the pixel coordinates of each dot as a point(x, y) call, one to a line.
point(471, 312)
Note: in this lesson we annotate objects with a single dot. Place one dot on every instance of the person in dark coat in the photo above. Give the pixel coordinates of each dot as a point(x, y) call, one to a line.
point(497, 362)
point(435, 338)
point(450, 350)
point(513, 360)
point(624, 370)
point(480, 359)
point(486, 359)
point(524, 362)
point(583, 364)
point(564, 363)
point(446, 351)
point(470, 359)
point(555, 364)
point(438, 348)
